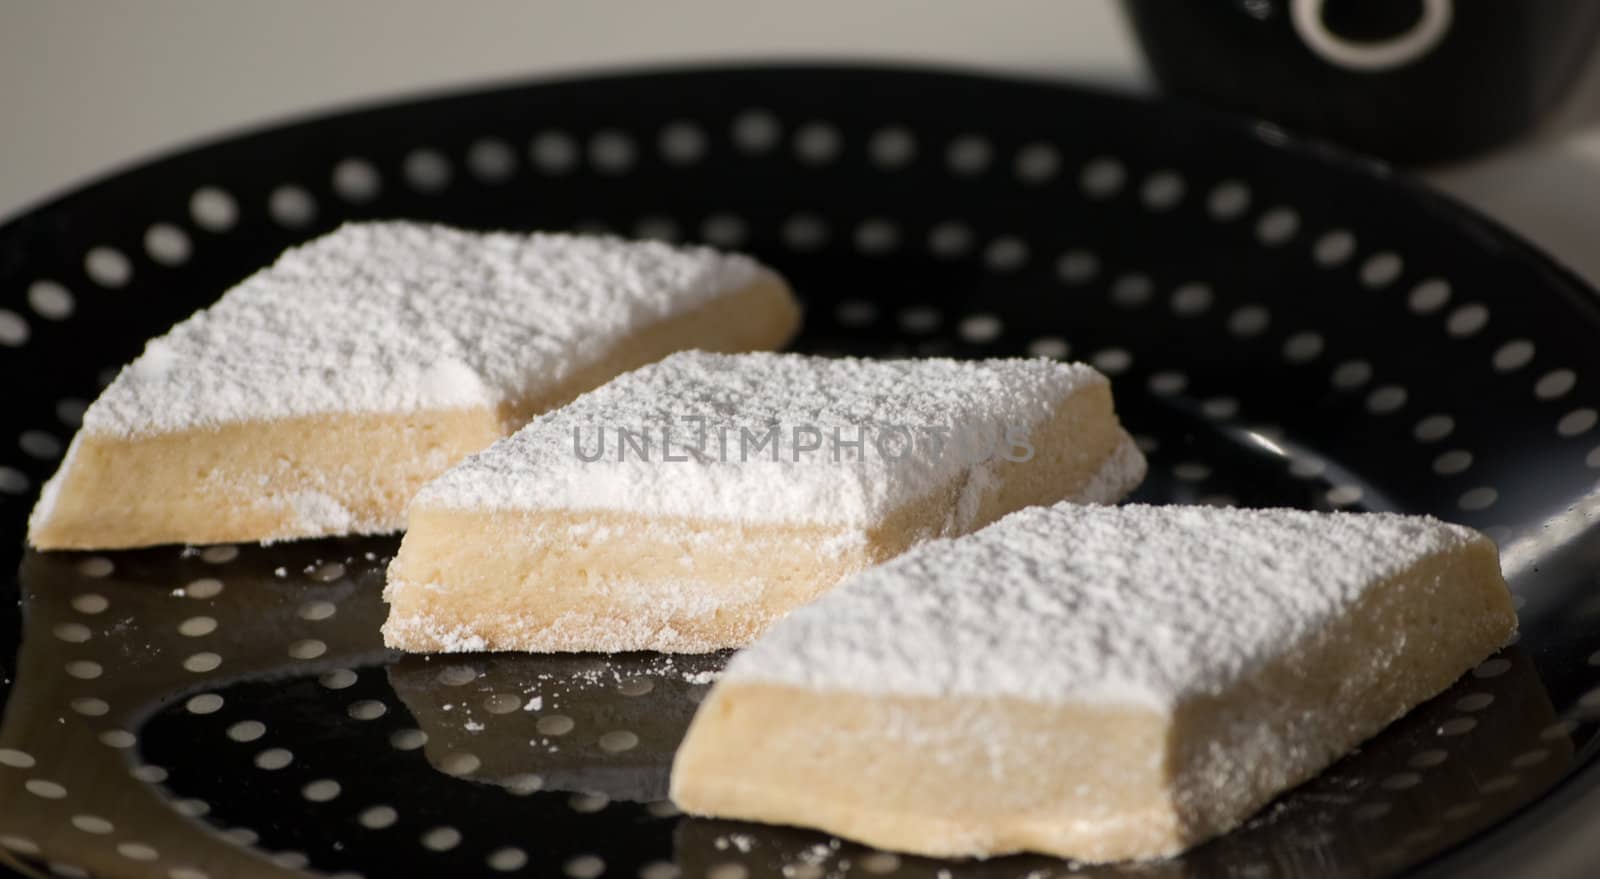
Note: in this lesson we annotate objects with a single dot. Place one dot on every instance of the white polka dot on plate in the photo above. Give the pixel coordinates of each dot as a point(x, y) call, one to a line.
point(93, 824)
point(950, 239)
point(968, 154)
point(1555, 383)
point(1480, 498)
point(356, 180)
point(1302, 347)
point(137, 851)
point(108, 267)
point(506, 859)
point(202, 662)
point(441, 839)
point(1381, 269)
point(554, 725)
point(1132, 290)
point(16, 759)
point(213, 209)
point(246, 731)
point(1344, 495)
point(1228, 200)
point(1351, 374)
point(1168, 382)
point(1474, 702)
point(49, 300)
point(877, 236)
point(91, 603)
point(44, 789)
point(724, 230)
point(1037, 163)
point(817, 143)
point(407, 739)
point(1005, 254)
point(1102, 177)
point(682, 143)
point(367, 709)
point(308, 648)
point(805, 232)
point(584, 867)
point(756, 131)
point(13, 329)
point(1429, 296)
point(1249, 320)
point(204, 703)
point(196, 627)
point(1051, 346)
point(1577, 422)
point(1162, 191)
point(1077, 266)
point(1513, 355)
point(1191, 299)
point(1112, 361)
point(321, 791)
point(167, 244)
point(1277, 226)
point(1334, 248)
point(1386, 399)
point(1492, 668)
point(491, 160)
point(457, 675)
point(980, 328)
point(219, 555)
point(1452, 462)
point(553, 152)
point(1433, 428)
point(664, 870)
point(1220, 408)
point(892, 147)
point(612, 152)
point(291, 206)
point(919, 319)
point(273, 759)
point(1467, 320)
point(378, 817)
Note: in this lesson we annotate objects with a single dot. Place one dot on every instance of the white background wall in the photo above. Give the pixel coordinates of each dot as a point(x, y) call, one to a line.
point(88, 85)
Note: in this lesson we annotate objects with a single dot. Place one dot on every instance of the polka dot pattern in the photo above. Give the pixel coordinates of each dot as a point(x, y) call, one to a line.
point(1080, 266)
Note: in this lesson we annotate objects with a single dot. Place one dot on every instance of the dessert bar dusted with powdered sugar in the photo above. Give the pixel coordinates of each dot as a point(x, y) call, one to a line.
point(1094, 682)
point(686, 505)
point(316, 395)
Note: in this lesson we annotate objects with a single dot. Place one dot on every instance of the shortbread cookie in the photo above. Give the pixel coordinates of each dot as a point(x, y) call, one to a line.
point(1092, 682)
point(730, 490)
point(319, 394)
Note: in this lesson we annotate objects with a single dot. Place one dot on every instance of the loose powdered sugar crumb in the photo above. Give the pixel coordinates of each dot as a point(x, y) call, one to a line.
point(393, 317)
point(540, 467)
point(1136, 605)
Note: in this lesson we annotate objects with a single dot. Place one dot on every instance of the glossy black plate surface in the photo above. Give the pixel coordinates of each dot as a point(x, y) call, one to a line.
point(1285, 326)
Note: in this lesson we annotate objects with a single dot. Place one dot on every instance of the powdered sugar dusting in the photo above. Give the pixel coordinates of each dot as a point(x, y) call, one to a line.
point(712, 475)
point(1137, 604)
point(394, 317)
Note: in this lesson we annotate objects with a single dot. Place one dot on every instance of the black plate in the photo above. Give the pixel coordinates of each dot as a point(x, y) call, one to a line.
point(1285, 325)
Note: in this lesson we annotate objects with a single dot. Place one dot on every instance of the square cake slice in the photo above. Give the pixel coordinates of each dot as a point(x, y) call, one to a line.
point(1095, 683)
point(685, 506)
point(316, 396)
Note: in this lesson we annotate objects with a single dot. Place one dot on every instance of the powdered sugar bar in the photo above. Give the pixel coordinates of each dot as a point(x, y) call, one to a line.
point(1092, 682)
point(320, 393)
point(686, 505)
